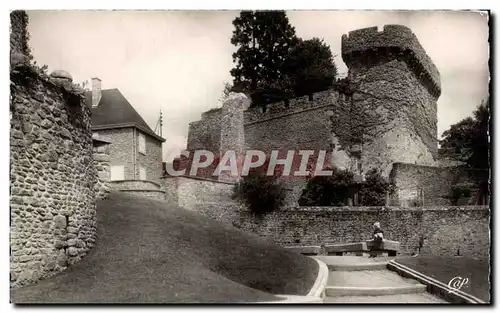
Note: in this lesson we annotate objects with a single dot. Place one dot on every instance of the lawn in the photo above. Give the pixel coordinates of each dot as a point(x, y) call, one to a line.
point(446, 268)
point(150, 252)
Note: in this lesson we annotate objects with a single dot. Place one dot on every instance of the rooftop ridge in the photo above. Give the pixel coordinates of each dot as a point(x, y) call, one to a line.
point(399, 38)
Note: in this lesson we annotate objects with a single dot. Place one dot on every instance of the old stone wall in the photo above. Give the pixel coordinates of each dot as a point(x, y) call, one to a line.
point(431, 184)
point(193, 192)
point(169, 185)
point(447, 231)
point(101, 163)
point(396, 123)
point(396, 87)
point(18, 32)
point(205, 133)
point(121, 149)
point(388, 116)
point(135, 185)
point(224, 212)
point(391, 116)
point(52, 177)
point(151, 160)
point(148, 193)
point(302, 125)
point(361, 41)
point(232, 133)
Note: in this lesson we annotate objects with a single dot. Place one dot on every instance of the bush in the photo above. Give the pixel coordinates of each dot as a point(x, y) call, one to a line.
point(261, 193)
point(375, 189)
point(328, 190)
point(461, 191)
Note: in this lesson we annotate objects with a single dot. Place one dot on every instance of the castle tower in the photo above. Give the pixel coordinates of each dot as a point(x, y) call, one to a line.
point(232, 131)
point(394, 104)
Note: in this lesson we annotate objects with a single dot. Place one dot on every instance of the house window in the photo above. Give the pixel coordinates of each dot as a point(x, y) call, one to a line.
point(142, 143)
point(117, 172)
point(142, 173)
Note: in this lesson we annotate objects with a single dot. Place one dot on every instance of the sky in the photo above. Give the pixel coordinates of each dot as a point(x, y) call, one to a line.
point(178, 61)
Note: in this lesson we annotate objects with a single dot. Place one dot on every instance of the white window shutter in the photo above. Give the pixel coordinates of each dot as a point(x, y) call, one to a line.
point(142, 173)
point(117, 172)
point(142, 143)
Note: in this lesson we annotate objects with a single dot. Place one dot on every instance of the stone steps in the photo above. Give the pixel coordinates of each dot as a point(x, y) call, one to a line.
point(373, 291)
point(367, 266)
point(354, 279)
point(369, 278)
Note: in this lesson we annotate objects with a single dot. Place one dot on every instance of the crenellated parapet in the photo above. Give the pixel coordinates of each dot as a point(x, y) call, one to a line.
point(295, 106)
point(213, 113)
point(392, 40)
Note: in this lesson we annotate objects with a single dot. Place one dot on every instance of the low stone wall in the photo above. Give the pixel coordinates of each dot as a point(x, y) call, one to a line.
point(227, 212)
point(445, 230)
point(169, 185)
point(151, 194)
point(191, 192)
point(448, 231)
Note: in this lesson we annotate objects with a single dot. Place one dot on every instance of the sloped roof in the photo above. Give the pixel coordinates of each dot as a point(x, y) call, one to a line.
point(114, 111)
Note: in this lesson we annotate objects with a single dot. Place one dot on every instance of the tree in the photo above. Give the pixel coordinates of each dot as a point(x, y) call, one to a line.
point(263, 39)
point(374, 190)
point(467, 140)
point(260, 192)
point(310, 66)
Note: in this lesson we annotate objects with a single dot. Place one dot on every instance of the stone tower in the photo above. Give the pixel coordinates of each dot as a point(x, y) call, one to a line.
point(232, 131)
point(394, 105)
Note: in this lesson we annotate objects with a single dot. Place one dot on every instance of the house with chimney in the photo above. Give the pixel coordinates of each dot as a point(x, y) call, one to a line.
point(135, 150)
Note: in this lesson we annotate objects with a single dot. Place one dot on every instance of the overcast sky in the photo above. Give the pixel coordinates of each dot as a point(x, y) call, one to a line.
point(177, 61)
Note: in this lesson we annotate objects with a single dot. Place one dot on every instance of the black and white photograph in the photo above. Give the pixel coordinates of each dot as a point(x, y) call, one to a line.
point(250, 157)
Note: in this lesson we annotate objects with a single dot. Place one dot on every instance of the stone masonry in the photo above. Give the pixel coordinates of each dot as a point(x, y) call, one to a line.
point(124, 152)
point(446, 231)
point(205, 134)
point(18, 32)
point(190, 192)
point(52, 175)
point(390, 116)
point(101, 163)
point(431, 185)
point(396, 87)
point(53, 216)
point(232, 134)
point(121, 148)
point(151, 160)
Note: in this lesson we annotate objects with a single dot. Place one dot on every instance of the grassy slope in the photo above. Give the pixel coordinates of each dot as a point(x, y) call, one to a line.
point(148, 252)
point(446, 268)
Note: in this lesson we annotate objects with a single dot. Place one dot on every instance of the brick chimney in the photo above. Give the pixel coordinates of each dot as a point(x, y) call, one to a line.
point(96, 91)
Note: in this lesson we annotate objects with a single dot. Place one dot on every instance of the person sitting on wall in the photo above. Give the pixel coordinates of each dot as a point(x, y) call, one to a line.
point(378, 237)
